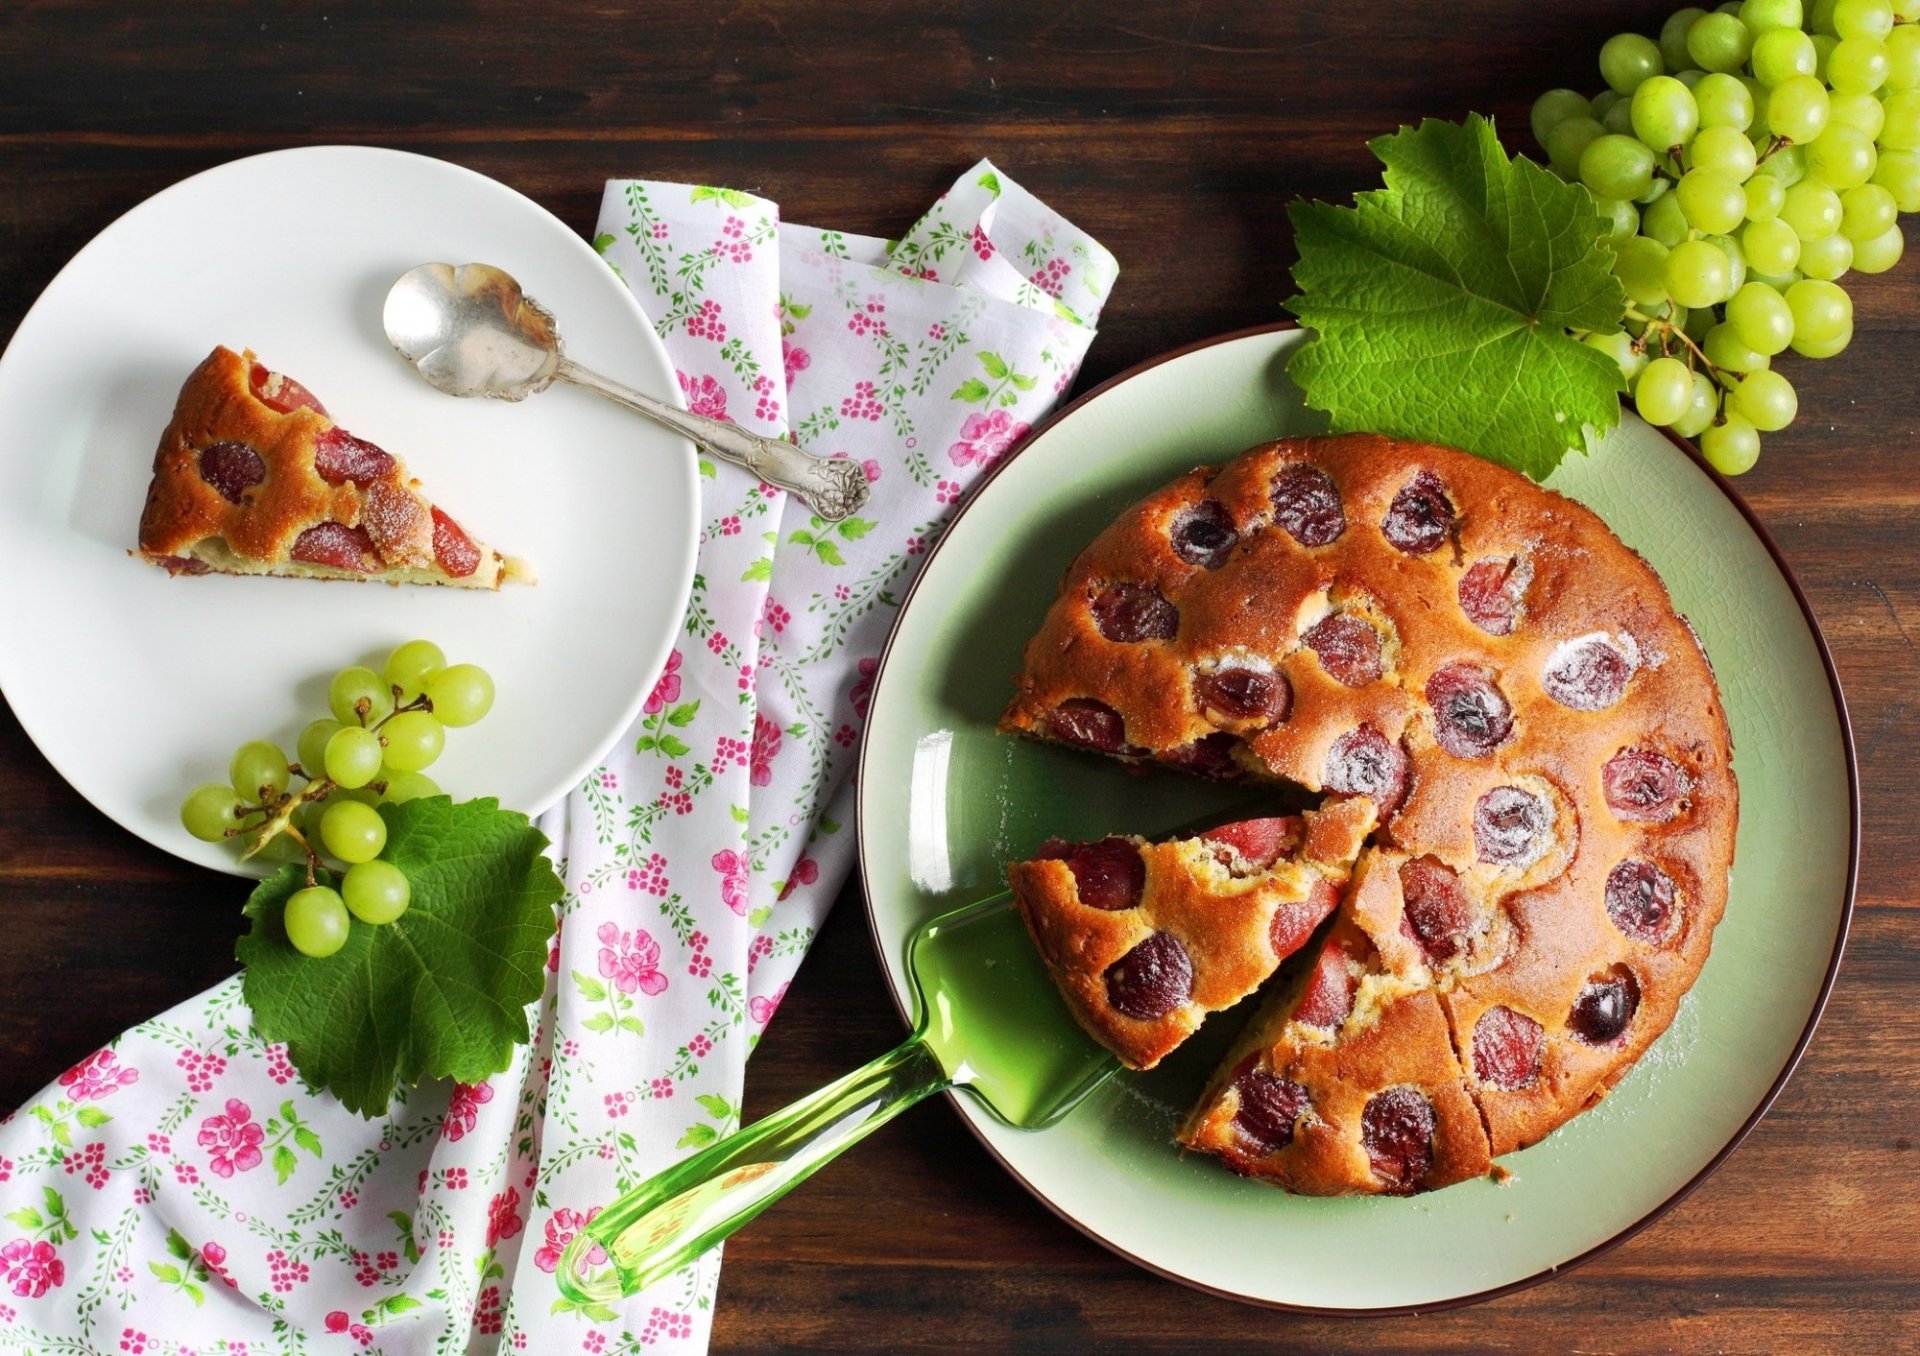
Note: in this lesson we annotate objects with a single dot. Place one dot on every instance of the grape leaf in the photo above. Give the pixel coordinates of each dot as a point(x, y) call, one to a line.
point(1440, 303)
point(442, 991)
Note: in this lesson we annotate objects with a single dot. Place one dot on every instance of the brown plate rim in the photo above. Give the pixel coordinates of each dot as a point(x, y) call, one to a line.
point(1607, 1245)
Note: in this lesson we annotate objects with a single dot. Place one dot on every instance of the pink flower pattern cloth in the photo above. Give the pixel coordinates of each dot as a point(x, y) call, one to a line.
point(182, 1193)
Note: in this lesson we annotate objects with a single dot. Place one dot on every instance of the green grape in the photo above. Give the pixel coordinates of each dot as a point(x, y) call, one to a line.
point(209, 811)
point(1863, 18)
point(1662, 221)
point(1758, 94)
point(1820, 17)
point(1673, 38)
point(1864, 113)
point(1656, 190)
point(1641, 266)
point(1766, 400)
point(316, 921)
point(352, 757)
point(1695, 323)
point(1730, 446)
point(312, 747)
point(1788, 164)
point(1812, 209)
point(1761, 318)
point(1719, 42)
point(1663, 113)
point(258, 770)
point(1779, 282)
point(1841, 158)
point(1664, 391)
point(1616, 167)
point(1903, 57)
point(1598, 105)
point(353, 832)
point(1761, 15)
point(365, 795)
point(355, 685)
point(1724, 150)
point(1825, 348)
point(1690, 77)
point(1698, 274)
point(1798, 108)
point(1712, 201)
point(461, 694)
point(1906, 11)
point(376, 892)
point(406, 786)
point(1857, 66)
point(1764, 195)
point(1866, 211)
point(1622, 219)
point(1620, 347)
point(1567, 140)
point(1725, 351)
point(1828, 258)
point(1700, 409)
point(1618, 119)
point(1723, 101)
point(306, 816)
point(1880, 253)
point(1626, 59)
point(1728, 7)
point(1782, 53)
point(1736, 260)
point(408, 666)
point(414, 739)
point(1822, 313)
point(1899, 173)
point(1901, 130)
point(1822, 51)
point(1549, 111)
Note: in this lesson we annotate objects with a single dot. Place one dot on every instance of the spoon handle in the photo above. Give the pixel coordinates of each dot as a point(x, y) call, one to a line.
point(670, 1219)
point(833, 489)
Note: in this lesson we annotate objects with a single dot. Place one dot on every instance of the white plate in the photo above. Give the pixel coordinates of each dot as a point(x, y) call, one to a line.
point(138, 686)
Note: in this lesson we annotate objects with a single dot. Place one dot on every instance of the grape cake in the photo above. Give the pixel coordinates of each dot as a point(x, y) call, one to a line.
point(1495, 695)
point(253, 477)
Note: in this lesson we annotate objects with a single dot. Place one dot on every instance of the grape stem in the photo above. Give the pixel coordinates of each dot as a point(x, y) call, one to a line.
point(1773, 146)
point(1668, 330)
point(420, 703)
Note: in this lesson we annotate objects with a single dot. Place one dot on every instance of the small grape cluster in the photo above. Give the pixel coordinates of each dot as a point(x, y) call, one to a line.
point(1746, 160)
point(386, 729)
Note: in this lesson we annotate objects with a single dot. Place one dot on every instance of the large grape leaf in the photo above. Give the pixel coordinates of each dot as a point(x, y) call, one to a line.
point(442, 991)
point(1440, 303)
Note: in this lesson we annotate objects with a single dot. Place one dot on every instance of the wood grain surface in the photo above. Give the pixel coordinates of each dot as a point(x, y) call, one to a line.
point(1176, 133)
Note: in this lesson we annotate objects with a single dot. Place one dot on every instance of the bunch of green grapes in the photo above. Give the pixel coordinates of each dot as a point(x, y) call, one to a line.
point(386, 729)
point(1745, 161)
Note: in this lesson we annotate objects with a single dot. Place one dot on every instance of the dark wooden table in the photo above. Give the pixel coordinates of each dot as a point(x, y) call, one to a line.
point(1176, 133)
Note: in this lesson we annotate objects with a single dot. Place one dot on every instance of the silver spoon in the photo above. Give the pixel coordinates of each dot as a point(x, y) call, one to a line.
point(471, 331)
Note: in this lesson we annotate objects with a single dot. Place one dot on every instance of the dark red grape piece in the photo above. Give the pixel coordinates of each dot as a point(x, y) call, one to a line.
point(1420, 517)
point(1307, 504)
point(1088, 723)
point(1235, 693)
point(1259, 842)
point(1294, 921)
point(1152, 979)
point(281, 393)
point(336, 544)
point(1110, 873)
point(1396, 1130)
point(1643, 786)
point(455, 551)
point(1349, 649)
point(1640, 901)
point(182, 565)
point(1328, 997)
point(1130, 613)
point(1435, 909)
point(1490, 596)
point(232, 469)
point(1589, 674)
point(1605, 1008)
point(1470, 716)
point(1507, 825)
point(1204, 535)
point(1270, 1108)
point(1208, 756)
point(1506, 1049)
point(1364, 762)
point(338, 456)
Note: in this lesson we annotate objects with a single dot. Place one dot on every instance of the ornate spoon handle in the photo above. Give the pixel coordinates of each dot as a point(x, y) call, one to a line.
point(833, 489)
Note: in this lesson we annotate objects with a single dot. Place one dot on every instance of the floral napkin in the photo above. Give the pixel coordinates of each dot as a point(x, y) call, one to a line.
point(182, 1193)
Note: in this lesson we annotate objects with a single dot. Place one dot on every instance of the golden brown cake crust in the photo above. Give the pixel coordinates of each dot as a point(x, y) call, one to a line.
point(1560, 858)
point(189, 525)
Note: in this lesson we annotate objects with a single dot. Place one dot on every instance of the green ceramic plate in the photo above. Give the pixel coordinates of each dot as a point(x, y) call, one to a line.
point(945, 802)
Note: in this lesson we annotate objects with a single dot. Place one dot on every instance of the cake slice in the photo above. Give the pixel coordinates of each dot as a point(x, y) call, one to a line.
point(253, 477)
point(1146, 939)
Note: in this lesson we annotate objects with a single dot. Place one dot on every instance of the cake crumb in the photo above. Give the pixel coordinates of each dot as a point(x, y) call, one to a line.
point(1503, 1176)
